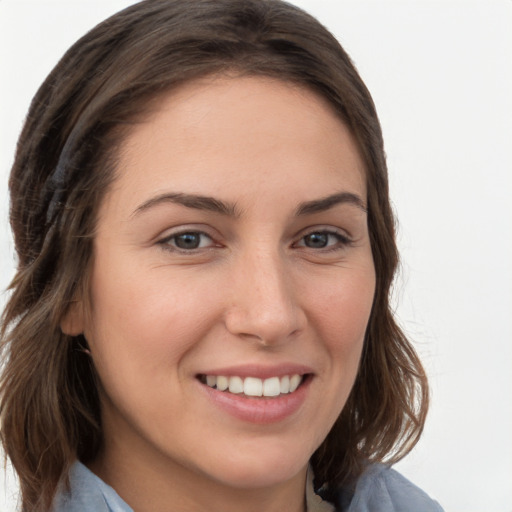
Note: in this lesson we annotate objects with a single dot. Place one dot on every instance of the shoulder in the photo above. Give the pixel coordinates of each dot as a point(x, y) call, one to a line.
point(87, 493)
point(383, 489)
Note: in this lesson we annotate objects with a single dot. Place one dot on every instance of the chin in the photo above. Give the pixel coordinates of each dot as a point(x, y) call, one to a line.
point(259, 469)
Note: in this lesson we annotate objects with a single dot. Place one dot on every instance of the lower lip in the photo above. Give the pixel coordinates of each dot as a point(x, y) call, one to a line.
point(259, 410)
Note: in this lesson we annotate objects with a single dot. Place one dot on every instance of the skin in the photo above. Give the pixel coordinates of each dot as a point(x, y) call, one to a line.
point(257, 290)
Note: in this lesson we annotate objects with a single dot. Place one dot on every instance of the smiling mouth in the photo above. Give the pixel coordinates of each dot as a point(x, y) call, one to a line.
point(253, 386)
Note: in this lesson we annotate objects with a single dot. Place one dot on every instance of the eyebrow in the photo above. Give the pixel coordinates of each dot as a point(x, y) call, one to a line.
point(211, 204)
point(195, 201)
point(326, 203)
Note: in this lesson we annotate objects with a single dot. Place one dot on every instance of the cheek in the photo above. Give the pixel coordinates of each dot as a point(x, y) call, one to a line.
point(343, 308)
point(141, 323)
point(142, 330)
point(342, 312)
point(339, 314)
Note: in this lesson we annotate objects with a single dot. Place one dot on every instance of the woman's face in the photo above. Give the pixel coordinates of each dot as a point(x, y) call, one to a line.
point(232, 250)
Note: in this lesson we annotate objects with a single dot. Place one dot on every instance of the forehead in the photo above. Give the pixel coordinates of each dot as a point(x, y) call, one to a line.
point(222, 132)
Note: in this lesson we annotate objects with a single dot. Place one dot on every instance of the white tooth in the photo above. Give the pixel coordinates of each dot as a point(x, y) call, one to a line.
point(271, 387)
point(211, 380)
point(285, 384)
point(294, 382)
point(253, 386)
point(222, 383)
point(236, 385)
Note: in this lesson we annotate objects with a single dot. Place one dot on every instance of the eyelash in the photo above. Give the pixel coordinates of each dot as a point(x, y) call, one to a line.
point(167, 242)
point(341, 241)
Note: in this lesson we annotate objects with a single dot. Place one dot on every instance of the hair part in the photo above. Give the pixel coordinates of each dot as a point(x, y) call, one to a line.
point(65, 162)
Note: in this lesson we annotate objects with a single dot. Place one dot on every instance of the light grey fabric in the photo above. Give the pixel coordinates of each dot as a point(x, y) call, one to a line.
point(383, 489)
point(380, 489)
point(88, 493)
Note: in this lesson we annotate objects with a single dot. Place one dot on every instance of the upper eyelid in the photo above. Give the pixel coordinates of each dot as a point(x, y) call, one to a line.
point(181, 229)
point(324, 229)
point(179, 232)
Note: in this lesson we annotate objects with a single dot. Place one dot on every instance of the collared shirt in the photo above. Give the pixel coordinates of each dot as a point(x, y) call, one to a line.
point(379, 489)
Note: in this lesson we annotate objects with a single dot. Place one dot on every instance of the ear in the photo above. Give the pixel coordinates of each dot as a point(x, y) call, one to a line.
point(72, 323)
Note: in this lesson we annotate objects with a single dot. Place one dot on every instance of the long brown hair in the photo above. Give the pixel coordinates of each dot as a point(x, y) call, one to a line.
point(65, 161)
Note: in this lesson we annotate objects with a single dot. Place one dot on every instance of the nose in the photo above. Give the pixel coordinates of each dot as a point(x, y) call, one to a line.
point(263, 301)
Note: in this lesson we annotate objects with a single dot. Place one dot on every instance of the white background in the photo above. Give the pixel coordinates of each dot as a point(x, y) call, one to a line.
point(441, 75)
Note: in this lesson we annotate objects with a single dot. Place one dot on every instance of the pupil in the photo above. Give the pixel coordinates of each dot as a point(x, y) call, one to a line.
point(188, 241)
point(316, 240)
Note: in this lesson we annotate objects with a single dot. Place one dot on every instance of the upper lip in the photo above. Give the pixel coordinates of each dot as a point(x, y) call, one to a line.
point(260, 371)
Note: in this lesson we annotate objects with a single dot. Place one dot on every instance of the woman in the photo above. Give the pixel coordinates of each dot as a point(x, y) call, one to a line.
point(200, 316)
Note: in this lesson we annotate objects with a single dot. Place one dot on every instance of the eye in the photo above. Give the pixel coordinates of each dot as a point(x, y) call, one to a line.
point(187, 241)
point(323, 240)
